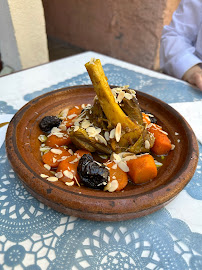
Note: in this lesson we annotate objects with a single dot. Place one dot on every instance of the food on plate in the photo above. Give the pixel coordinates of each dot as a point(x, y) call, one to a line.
point(105, 145)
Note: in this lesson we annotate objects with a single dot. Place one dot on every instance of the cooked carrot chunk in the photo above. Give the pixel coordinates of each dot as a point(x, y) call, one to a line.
point(72, 114)
point(162, 144)
point(68, 167)
point(146, 118)
point(54, 156)
point(75, 110)
point(142, 169)
point(54, 140)
point(116, 174)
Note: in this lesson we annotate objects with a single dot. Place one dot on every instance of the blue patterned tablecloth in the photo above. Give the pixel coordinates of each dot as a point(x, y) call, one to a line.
point(33, 236)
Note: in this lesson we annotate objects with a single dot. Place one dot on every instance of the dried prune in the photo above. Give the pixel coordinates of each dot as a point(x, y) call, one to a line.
point(48, 122)
point(92, 173)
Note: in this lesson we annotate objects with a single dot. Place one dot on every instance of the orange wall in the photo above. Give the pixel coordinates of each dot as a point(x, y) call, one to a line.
point(129, 30)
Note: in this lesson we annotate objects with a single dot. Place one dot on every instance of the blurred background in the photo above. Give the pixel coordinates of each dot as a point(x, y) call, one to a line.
point(33, 32)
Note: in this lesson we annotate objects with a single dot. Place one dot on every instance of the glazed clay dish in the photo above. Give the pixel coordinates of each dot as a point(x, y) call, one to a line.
point(134, 201)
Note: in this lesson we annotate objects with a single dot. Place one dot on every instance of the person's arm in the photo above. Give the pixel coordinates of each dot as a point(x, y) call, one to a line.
point(177, 52)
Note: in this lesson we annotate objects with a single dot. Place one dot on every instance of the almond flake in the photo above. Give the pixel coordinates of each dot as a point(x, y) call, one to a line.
point(147, 144)
point(63, 114)
point(116, 157)
point(114, 166)
point(70, 151)
point(172, 146)
point(44, 149)
point(42, 138)
point(85, 124)
point(69, 183)
point(63, 127)
point(59, 174)
point(54, 160)
point(76, 128)
point(118, 132)
point(68, 174)
point(120, 96)
point(43, 175)
point(52, 179)
point(128, 96)
point(101, 139)
point(71, 116)
point(74, 161)
point(162, 131)
point(48, 167)
point(106, 135)
point(112, 133)
point(55, 130)
point(77, 181)
point(123, 166)
point(112, 186)
point(56, 151)
point(83, 106)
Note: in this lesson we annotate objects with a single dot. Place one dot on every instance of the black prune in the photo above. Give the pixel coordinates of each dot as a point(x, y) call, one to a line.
point(48, 122)
point(92, 173)
point(152, 118)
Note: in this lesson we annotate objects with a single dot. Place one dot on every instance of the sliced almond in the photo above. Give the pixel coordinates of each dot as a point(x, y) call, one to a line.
point(101, 139)
point(120, 96)
point(56, 151)
point(112, 133)
point(52, 179)
point(114, 166)
point(76, 128)
point(48, 167)
point(118, 132)
point(172, 146)
point(59, 174)
point(71, 116)
point(69, 183)
point(128, 96)
point(68, 174)
point(111, 186)
point(106, 135)
point(42, 138)
point(147, 144)
point(85, 124)
point(43, 175)
point(123, 166)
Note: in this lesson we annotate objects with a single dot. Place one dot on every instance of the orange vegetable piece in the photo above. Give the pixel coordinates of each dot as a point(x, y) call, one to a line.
point(53, 159)
point(69, 170)
point(146, 118)
point(117, 174)
point(162, 144)
point(142, 169)
point(75, 111)
point(70, 164)
point(81, 152)
point(53, 140)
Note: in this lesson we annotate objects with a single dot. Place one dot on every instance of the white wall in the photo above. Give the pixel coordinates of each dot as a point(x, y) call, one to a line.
point(23, 40)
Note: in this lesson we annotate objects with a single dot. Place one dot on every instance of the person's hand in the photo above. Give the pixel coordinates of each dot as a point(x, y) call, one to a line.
point(194, 76)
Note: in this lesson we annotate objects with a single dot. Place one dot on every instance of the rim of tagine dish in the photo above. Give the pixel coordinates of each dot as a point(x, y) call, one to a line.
point(22, 146)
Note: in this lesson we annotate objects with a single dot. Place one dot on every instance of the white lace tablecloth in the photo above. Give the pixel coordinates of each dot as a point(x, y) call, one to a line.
point(33, 236)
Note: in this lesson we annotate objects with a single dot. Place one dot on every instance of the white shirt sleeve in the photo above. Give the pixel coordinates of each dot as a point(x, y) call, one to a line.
point(178, 42)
